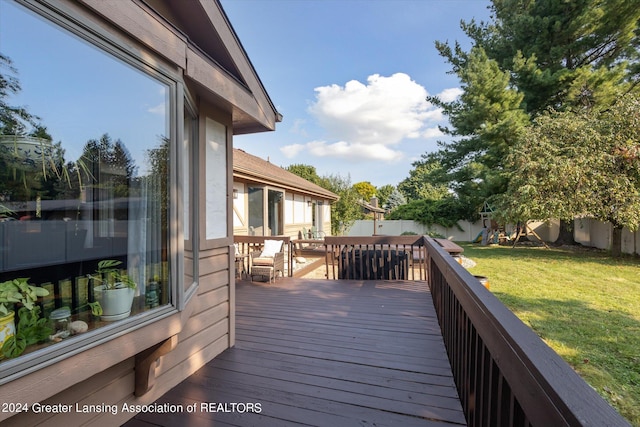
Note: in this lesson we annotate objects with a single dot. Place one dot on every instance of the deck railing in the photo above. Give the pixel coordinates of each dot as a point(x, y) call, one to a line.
point(505, 374)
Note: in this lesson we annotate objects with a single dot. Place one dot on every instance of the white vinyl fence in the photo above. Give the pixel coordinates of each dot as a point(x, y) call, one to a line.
point(587, 232)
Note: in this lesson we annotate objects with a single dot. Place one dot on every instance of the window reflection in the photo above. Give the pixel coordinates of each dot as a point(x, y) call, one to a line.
point(84, 169)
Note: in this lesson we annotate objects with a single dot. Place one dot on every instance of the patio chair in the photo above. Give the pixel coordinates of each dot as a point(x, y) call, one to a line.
point(269, 261)
point(318, 235)
point(306, 234)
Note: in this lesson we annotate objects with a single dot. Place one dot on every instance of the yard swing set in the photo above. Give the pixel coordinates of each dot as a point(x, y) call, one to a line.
point(497, 234)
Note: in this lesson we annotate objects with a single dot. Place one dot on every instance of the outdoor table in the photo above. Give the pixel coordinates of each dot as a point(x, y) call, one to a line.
point(241, 267)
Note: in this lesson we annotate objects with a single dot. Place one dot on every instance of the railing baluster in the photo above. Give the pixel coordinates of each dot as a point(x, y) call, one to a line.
point(528, 384)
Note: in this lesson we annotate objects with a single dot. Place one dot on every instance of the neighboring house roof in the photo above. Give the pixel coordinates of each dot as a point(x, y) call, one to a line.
point(252, 168)
point(370, 207)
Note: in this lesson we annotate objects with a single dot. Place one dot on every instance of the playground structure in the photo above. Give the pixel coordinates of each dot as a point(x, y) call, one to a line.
point(494, 233)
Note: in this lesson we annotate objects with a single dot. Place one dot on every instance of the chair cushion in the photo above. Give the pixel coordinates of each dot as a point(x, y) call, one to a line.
point(265, 261)
point(271, 248)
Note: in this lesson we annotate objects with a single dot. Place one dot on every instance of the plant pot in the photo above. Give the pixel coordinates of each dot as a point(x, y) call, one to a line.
point(116, 303)
point(484, 281)
point(7, 327)
point(28, 152)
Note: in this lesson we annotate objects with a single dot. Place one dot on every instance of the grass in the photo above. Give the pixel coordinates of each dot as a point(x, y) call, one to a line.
point(582, 303)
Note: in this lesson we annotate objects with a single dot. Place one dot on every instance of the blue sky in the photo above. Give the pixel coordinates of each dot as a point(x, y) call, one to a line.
point(90, 97)
point(350, 78)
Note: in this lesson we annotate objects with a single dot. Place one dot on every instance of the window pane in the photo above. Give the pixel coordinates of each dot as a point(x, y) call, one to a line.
point(189, 200)
point(256, 211)
point(216, 179)
point(186, 172)
point(84, 170)
point(275, 206)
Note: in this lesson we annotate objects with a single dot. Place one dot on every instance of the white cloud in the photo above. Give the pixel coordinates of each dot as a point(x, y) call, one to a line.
point(433, 132)
point(368, 119)
point(290, 151)
point(298, 127)
point(353, 151)
point(158, 109)
point(384, 111)
point(450, 94)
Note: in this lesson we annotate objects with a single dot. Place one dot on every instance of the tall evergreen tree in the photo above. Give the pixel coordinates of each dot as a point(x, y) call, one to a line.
point(563, 53)
point(559, 54)
point(484, 122)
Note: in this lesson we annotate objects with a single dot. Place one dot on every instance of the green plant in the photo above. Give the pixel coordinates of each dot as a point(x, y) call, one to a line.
point(19, 291)
point(110, 276)
point(31, 329)
point(6, 212)
point(96, 308)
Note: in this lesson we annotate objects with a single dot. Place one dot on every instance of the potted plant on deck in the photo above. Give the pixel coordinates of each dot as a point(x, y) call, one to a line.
point(17, 293)
point(115, 291)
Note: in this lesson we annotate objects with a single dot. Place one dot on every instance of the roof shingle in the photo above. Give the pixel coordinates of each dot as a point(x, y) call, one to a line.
point(252, 168)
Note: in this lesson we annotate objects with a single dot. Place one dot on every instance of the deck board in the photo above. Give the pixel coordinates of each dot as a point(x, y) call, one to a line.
point(321, 352)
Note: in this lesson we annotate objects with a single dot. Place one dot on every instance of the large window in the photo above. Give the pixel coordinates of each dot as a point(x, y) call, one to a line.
point(84, 179)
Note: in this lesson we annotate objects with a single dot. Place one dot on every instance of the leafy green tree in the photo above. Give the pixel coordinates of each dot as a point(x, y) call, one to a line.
point(584, 163)
point(445, 212)
point(346, 210)
point(365, 189)
point(427, 180)
point(307, 172)
point(484, 121)
point(383, 192)
point(14, 120)
point(563, 53)
point(110, 163)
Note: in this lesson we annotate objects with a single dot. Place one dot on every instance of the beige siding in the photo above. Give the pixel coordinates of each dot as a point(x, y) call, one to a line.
point(105, 373)
point(297, 214)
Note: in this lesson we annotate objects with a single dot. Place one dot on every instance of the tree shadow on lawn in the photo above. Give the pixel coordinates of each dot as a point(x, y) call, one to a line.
point(603, 346)
point(577, 254)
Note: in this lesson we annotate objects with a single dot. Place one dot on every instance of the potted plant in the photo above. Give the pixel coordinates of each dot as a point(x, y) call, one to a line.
point(31, 328)
point(115, 291)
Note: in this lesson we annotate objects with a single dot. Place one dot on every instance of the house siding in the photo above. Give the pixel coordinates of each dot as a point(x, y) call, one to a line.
point(297, 215)
point(104, 374)
point(203, 336)
point(299, 194)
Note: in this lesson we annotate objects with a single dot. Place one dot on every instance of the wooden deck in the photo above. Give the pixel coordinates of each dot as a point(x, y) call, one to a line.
point(326, 353)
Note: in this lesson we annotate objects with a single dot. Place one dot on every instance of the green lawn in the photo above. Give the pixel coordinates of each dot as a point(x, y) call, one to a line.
point(582, 303)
